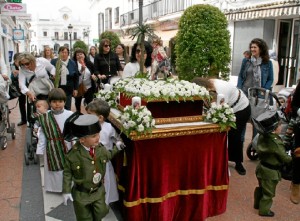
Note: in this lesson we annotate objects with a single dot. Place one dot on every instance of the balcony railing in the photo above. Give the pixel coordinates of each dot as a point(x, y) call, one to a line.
point(154, 11)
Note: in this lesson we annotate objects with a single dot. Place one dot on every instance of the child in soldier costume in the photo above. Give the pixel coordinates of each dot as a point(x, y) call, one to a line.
point(108, 137)
point(271, 152)
point(51, 141)
point(85, 166)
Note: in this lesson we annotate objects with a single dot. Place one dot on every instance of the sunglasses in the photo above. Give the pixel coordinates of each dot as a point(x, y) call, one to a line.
point(25, 64)
point(106, 46)
point(138, 51)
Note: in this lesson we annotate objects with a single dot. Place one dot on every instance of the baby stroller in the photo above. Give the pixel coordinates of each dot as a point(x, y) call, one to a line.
point(5, 125)
point(31, 138)
point(260, 100)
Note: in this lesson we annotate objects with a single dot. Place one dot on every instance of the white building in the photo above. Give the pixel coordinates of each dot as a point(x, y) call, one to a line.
point(276, 21)
point(55, 31)
point(14, 31)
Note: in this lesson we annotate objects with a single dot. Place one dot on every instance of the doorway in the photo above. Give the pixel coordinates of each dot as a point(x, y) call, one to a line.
point(288, 52)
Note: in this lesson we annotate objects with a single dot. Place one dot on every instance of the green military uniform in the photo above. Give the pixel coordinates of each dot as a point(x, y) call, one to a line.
point(272, 155)
point(80, 167)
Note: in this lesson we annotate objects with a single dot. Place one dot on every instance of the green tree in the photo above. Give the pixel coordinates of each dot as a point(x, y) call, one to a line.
point(112, 36)
point(80, 44)
point(141, 32)
point(202, 43)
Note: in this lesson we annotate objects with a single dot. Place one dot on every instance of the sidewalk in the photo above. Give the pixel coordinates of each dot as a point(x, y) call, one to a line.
point(240, 196)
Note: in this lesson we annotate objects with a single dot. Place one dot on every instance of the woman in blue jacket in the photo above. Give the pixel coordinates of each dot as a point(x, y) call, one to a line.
point(258, 70)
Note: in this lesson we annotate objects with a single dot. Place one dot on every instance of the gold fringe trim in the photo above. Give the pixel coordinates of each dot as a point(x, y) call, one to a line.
point(171, 194)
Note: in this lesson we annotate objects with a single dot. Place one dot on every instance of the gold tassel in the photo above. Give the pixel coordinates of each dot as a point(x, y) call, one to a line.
point(124, 160)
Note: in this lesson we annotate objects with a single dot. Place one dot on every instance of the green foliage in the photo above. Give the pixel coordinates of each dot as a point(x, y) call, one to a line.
point(113, 37)
point(80, 44)
point(141, 32)
point(203, 43)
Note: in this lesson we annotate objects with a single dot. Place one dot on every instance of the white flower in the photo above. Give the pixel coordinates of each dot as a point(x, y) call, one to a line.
point(140, 128)
point(139, 120)
point(221, 114)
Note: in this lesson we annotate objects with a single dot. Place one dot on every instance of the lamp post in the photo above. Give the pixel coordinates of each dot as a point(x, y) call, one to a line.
point(70, 27)
point(86, 33)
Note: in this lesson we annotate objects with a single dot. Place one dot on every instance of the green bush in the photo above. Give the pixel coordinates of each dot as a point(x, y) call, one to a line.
point(202, 43)
point(80, 44)
point(113, 37)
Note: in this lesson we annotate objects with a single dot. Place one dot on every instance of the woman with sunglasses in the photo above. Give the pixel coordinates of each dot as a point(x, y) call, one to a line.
point(106, 63)
point(31, 67)
point(133, 66)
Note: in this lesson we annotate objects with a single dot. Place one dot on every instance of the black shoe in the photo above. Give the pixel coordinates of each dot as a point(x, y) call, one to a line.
point(240, 169)
point(269, 214)
point(21, 123)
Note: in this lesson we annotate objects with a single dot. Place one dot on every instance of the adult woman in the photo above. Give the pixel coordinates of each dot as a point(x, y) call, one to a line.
point(122, 54)
point(33, 67)
point(158, 55)
point(87, 77)
point(258, 70)
point(241, 108)
point(15, 80)
point(133, 66)
point(106, 63)
point(92, 53)
point(68, 75)
point(48, 53)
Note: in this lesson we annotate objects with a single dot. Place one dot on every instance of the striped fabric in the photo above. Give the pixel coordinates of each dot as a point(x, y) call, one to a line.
point(56, 147)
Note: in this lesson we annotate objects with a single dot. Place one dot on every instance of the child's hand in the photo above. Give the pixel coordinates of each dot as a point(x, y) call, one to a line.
point(67, 196)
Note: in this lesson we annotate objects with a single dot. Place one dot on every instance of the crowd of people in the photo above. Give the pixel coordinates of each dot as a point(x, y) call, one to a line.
point(48, 84)
point(59, 79)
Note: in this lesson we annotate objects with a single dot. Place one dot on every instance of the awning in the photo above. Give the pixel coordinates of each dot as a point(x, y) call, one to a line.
point(264, 11)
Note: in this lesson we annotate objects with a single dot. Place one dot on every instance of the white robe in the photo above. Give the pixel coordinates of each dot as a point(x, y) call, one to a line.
point(53, 180)
point(110, 183)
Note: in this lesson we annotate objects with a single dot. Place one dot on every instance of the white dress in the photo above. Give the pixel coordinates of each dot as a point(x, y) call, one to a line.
point(110, 183)
point(131, 69)
point(53, 180)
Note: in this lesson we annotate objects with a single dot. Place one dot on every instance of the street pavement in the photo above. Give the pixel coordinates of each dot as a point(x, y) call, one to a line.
point(22, 196)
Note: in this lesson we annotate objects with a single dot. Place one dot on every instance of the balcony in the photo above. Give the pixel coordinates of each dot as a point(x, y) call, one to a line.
point(155, 11)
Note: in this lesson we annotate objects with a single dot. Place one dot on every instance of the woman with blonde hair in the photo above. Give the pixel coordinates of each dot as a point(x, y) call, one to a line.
point(158, 55)
point(48, 53)
point(92, 53)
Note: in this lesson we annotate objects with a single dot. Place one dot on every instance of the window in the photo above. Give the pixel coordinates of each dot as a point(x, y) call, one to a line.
point(75, 35)
point(56, 35)
point(108, 19)
point(45, 34)
point(117, 15)
point(66, 34)
point(100, 23)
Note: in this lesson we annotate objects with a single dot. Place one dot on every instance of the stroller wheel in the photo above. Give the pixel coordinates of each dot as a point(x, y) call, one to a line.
point(13, 130)
point(26, 158)
point(3, 143)
point(251, 152)
point(35, 158)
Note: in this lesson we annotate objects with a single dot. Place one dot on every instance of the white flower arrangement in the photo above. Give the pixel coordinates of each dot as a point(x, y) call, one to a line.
point(171, 89)
point(109, 96)
point(137, 119)
point(221, 114)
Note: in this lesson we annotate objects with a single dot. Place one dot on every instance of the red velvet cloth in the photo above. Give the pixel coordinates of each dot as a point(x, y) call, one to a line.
point(178, 178)
point(170, 109)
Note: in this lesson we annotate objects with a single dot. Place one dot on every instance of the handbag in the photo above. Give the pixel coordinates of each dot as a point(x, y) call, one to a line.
point(13, 92)
point(40, 85)
point(81, 90)
point(259, 99)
